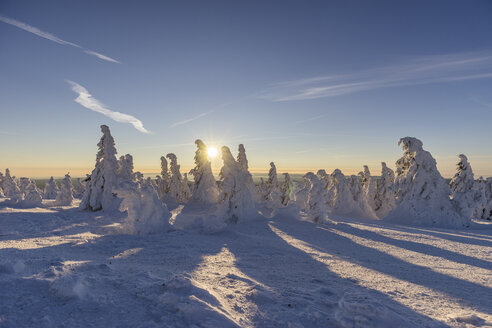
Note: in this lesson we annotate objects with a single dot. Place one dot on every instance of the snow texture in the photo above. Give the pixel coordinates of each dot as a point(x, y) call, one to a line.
point(422, 194)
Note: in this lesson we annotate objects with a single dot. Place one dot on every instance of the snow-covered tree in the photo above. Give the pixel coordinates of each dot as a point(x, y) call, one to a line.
point(462, 187)
point(235, 199)
point(480, 199)
point(422, 194)
point(301, 193)
point(50, 189)
point(178, 189)
point(23, 183)
point(385, 194)
point(316, 208)
point(146, 212)
point(487, 211)
point(205, 190)
point(99, 194)
point(361, 203)
point(65, 195)
point(125, 167)
point(32, 196)
point(262, 190)
point(163, 181)
point(286, 189)
point(78, 189)
point(324, 177)
point(186, 187)
point(10, 188)
point(242, 161)
point(369, 186)
point(274, 194)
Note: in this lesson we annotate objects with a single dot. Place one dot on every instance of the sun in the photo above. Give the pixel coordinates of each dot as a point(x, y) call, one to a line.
point(212, 152)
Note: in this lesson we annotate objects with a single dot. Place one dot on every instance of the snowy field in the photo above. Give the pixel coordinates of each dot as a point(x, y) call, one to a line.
point(63, 267)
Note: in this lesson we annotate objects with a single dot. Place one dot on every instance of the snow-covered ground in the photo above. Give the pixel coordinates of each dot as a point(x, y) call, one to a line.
point(62, 267)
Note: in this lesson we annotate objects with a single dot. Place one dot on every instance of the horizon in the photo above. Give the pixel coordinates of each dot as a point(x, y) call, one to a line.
point(308, 86)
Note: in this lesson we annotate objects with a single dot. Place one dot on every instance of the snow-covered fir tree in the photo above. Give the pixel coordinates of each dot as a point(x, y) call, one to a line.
point(205, 189)
point(1, 185)
point(50, 189)
point(65, 195)
point(23, 183)
point(369, 186)
point(361, 208)
point(274, 194)
point(462, 187)
point(10, 188)
point(301, 194)
point(480, 199)
point(147, 214)
point(125, 167)
point(78, 189)
point(422, 194)
point(99, 193)
point(178, 189)
point(242, 161)
point(385, 194)
point(32, 196)
point(340, 196)
point(163, 181)
point(286, 189)
point(186, 186)
point(235, 200)
point(316, 206)
point(262, 190)
point(324, 177)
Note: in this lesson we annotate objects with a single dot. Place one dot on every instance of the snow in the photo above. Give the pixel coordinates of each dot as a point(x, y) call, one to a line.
point(60, 266)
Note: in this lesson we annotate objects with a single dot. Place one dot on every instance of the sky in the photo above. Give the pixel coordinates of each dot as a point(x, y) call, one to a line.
point(305, 84)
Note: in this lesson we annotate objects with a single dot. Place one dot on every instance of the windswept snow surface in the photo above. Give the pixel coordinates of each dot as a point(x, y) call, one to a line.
point(62, 267)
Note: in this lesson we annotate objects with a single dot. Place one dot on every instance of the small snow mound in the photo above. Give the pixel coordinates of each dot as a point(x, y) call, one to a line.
point(359, 310)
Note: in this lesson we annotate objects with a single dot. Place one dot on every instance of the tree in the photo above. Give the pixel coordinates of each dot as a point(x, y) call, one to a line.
point(32, 197)
point(385, 195)
point(462, 187)
point(163, 181)
point(10, 188)
point(369, 186)
point(286, 189)
point(50, 189)
point(242, 161)
point(316, 207)
point(178, 189)
point(79, 188)
point(125, 167)
point(422, 194)
point(65, 196)
point(235, 200)
point(205, 191)
point(273, 196)
point(480, 199)
point(99, 193)
point(146, 212)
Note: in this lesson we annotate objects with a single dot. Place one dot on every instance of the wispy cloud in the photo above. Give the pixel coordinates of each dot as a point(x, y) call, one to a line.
point(190, 119)
point(421, 70)
point(52, 37)
point(85, 99)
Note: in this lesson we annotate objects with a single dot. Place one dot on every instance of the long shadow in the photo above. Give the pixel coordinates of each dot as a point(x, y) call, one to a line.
point(300, 282)
point(474, 295)
point(416, 247)
point(456, 236)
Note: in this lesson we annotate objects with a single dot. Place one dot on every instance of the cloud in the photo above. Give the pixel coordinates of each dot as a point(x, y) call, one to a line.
point(85, 99)
point(52, 37)
point(190, 119)
point(421, 70)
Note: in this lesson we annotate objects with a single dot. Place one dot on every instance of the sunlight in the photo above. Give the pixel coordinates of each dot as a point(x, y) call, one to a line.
point(212, 152)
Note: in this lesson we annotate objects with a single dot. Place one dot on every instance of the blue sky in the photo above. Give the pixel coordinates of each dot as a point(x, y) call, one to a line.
point(308, 85)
